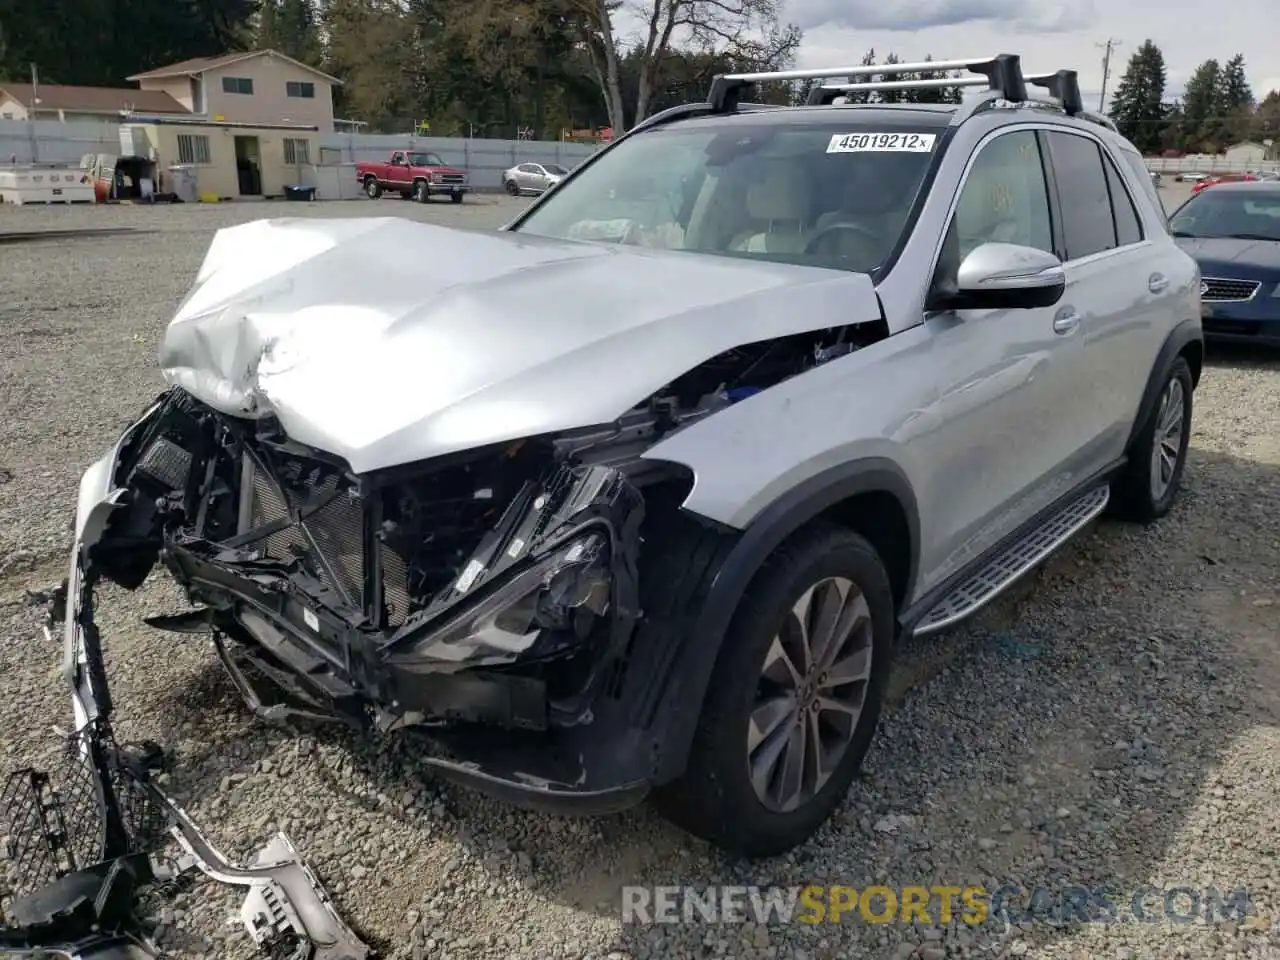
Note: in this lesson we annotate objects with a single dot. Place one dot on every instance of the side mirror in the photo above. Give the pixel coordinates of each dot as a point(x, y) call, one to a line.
point(1006, 276)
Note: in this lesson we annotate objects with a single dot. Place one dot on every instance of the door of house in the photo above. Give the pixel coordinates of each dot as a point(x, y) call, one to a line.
point(249, 166)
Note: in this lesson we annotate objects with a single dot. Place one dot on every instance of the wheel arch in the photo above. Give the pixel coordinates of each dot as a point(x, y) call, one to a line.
point(1186, 340)
point(872, 496)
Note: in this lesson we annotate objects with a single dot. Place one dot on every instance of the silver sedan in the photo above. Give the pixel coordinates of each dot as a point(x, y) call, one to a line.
point(532, 177)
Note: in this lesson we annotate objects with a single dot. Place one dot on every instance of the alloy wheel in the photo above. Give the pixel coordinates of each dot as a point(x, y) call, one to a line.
point(1166, 445)
point(810, 694)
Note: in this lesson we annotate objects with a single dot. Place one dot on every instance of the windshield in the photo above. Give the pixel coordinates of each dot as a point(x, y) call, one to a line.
point(425, 160)
point(555, 168)
point(1241, 214)
point(830, 194)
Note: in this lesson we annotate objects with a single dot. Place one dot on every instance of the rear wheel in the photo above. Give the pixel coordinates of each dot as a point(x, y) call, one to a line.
point(371, 188)
point(513, 188)
point(1149, 484)
point(794, 699)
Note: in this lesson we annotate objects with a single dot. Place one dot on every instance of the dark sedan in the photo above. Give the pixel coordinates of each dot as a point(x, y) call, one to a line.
point(1233, 232)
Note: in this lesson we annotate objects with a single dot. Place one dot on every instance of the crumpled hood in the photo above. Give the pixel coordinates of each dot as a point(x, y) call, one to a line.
point(386, 341)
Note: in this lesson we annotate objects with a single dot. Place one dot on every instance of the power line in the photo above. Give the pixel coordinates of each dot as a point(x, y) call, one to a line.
point(1109, 46)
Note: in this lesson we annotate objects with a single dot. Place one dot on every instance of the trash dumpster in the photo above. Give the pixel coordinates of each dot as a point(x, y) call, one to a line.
point(299, 192)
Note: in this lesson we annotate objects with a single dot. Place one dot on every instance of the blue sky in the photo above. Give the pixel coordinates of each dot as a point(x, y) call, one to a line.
point(1048, 34)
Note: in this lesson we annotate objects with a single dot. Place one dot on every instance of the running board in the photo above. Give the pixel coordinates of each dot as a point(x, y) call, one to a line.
point(1015, 560)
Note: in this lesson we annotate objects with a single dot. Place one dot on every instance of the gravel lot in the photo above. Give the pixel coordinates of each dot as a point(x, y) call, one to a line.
point(1115, 720)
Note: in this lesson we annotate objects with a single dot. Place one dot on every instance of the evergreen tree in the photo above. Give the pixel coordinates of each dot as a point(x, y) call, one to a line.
point(1200, 118)
point(1235, 103)
point(1137, 108)
point(289, 26)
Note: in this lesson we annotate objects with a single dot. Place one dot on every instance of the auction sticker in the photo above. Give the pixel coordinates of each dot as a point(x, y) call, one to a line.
point(882, 143)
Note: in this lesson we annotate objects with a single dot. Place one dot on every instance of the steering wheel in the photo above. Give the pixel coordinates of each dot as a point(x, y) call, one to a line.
point(866, 233)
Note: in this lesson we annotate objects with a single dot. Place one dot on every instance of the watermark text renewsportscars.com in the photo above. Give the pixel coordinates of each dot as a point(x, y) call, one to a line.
point(937, 904)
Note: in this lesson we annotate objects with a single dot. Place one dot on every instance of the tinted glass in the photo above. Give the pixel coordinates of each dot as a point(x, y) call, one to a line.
point(1004, 199)
point(831, 193)
point(1143, 176)
point(1128, 230)
point(555, 168)
point(425, 160)
point(1243, 214)
point(1082, 191)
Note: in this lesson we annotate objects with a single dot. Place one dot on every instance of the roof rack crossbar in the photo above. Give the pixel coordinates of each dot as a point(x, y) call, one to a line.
point(1003, 73)
point(828, 93)
point(1063, 86)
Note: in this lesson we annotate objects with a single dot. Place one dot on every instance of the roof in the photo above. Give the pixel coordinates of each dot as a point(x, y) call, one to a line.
point(1242, 186)
point(198, 65)
point(94, 99)
point(893, 116)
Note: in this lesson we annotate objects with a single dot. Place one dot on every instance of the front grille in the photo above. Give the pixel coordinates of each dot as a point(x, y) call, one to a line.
point(329, 543)
point(1219, 289)
point(454, 178)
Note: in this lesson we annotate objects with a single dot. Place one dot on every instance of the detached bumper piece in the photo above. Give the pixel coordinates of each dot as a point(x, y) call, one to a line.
point(80, 846)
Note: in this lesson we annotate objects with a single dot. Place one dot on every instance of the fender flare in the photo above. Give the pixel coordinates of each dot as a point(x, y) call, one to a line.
point(1186, 332)
point(681, 706)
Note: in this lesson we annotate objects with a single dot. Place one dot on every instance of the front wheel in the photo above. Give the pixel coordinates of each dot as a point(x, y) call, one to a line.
point(1147, 487)
point(794, 698)
point(455, 197)
point(371, 188)
point(420, 191)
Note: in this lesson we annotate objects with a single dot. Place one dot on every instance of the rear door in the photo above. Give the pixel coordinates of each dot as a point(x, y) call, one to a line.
point(1118, 283)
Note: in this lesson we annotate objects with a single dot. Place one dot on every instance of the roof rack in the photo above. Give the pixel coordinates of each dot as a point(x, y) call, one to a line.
point(1002, 73)
point(1063, 86)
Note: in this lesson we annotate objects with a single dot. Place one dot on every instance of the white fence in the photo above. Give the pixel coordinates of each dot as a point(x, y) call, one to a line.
point(1208, 164)
point(47, 141)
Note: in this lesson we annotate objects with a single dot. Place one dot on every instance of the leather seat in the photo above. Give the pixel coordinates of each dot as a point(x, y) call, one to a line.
point(781, 200)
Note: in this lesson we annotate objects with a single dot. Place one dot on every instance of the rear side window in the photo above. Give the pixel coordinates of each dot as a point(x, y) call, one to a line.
point(1143, 176)
point(1128, 227)
point(1083, 193)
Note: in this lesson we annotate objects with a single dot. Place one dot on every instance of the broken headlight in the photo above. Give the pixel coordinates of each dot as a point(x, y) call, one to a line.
point(564, 591)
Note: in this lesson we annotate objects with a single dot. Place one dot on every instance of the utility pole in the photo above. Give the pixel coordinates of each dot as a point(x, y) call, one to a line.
point(1109, 46)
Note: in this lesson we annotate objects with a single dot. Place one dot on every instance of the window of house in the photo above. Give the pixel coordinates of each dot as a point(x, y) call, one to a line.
point(193, 148)
point(300, 88)
point(242, 85)
point(296, 150)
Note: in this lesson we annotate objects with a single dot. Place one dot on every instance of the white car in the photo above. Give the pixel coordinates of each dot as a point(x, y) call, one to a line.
point(532, 177)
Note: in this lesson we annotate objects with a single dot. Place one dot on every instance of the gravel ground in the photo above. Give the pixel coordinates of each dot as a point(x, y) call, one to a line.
point(1114, 720)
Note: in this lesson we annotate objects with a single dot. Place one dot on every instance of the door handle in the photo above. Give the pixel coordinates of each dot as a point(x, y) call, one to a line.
point(1065, 320)
point(1157, 282)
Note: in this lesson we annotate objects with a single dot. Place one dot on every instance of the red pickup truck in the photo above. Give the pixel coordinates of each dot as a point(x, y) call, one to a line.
point(413, 173)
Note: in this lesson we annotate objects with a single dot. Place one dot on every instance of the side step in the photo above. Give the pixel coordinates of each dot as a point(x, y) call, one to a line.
point(1015, 560)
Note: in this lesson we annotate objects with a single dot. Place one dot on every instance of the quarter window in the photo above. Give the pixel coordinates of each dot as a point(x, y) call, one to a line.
point(1087, 226)
point(1128, 228)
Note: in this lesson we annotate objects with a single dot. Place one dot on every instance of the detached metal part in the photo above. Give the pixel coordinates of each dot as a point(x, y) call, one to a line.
point(76, 850)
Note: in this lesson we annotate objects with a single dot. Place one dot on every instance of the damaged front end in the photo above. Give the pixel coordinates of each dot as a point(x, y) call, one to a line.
point(489, 597)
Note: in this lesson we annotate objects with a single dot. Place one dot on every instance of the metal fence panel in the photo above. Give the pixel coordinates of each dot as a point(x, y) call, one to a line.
point(51, 141)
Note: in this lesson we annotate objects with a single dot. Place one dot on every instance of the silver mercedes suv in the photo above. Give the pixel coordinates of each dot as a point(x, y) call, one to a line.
point(637, 495)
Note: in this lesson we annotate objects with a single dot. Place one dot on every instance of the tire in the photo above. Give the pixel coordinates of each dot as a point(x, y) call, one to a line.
point(371, 188)
point(455, 197)
point(421, 193)
point(715, 798)
point(1149, 483)
point(513, 188)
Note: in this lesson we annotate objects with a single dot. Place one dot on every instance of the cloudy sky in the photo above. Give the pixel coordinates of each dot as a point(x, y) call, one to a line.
point(1049, 34)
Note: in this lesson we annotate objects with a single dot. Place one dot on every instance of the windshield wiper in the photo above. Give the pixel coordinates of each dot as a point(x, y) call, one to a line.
point(1184, 234)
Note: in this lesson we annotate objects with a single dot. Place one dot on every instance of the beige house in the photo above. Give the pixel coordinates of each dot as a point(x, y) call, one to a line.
point(261, 86)
point(225, 160)
point(23, 101)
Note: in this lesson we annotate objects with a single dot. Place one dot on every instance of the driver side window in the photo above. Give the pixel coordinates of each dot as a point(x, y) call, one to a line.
point(397, 158)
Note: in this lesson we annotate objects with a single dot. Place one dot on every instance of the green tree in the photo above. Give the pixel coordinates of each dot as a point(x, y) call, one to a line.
point(290, 27)
point(1137, 108)
point(1235, 103)
point(1201, 123)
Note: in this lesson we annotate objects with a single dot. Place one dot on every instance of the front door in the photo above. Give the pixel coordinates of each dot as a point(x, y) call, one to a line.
point(249, 166)
point(398, 171)
point(996, 456)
